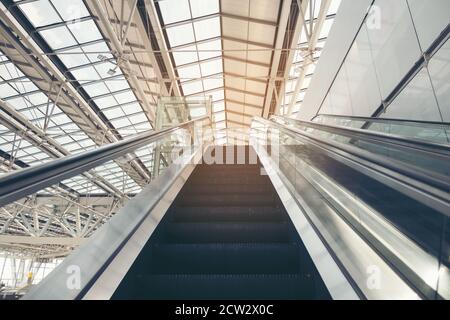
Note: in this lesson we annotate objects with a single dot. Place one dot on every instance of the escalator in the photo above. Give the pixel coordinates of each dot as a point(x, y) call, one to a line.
point(336, 208)
point(226, 236)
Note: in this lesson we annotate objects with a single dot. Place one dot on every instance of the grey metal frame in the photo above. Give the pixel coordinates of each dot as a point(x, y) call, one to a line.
point(335, 280)
point(104, 259)
point(426, 187)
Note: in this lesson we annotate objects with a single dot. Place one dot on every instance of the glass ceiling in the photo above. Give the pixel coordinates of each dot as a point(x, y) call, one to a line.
point(193, 30)
point(70, 31)
point(75, 38)
point(194, 34)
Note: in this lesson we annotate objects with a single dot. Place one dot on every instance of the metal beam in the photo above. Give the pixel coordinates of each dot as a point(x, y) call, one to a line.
point(312, 42)
point(281, 32)
point(118, 48)
point(62, 241)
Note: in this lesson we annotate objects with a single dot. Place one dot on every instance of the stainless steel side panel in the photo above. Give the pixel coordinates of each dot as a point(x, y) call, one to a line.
point(81, 270)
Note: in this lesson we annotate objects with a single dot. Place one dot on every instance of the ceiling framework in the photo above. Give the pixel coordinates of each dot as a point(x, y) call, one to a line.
point(65, 89)
point(315, 20)
point(251, 56)
point(79, 74)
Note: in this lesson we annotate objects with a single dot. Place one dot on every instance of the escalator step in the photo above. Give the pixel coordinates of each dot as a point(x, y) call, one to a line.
point(229, 213)
point(201, 232)
point(239, 188)
point(228, 200)
point(220, 258)
point(229, 179)
point(180, 286)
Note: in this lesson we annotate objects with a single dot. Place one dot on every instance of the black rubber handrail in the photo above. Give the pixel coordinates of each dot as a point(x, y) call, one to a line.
point(19, 184)
point(415, 144)
point(435, 184)
point(418, 123)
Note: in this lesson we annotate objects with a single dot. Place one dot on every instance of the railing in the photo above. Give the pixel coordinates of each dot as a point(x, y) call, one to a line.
point(309, 153)
point(97, 198)
point(19, 184)
point(437, 132)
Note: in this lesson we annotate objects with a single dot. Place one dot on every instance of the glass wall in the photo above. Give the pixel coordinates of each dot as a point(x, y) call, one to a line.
point(394, 63)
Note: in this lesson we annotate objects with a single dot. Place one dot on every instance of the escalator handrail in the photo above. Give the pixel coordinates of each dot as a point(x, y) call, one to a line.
point(19, 184)
point(434, 184)
point(418, 123)
point(440, 149)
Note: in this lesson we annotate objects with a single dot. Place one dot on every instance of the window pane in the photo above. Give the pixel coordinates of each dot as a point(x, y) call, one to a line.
point(185, 57)
point(70, 10)
point(416, 101)
point(206, 29)
point(189, 73)
point(211, 67)
point(58, 37)
point(430, 19)
point(40, 13)
point(394, 45)
point(210, 49)
point(439, 68)
point(174, 10)
point(85, 31)
point(204, 7)
point(180, 35)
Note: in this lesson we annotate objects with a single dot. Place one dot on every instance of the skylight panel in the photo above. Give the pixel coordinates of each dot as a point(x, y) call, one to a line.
point(220, 116)
point(185, 55)
point(192, 87)
point(125, 97)
point(180, 35)
point(334, 6)
point(121, 122)
point(58, 37)
point(73, 57)
point(24, 86)
point(105, 102)
point(210, 49)
point(95, 49)
point(85, 31)
point(116, 84)
point(104, 68)
point(74, 9)
point(204, 7)
point(216, 95)
point(6, 91)
point(137, 118)
point(326, 28)
point(60, 119)
point(211, 67)
point(8, 71)
point(212, 83)
point(218, 106)
point(189, 73)
point(40, 13)
point(131, 108)
point(206, 29)
point(174, 10)
point(85, 74)
point(96, 89)
point(63, 140)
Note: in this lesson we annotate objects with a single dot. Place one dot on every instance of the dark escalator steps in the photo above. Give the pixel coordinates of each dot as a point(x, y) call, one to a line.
point(230, 179)
point(191, 287)
point(226, 236)
point(226, 214)
point(219, 258)
point(208, 189)
point(228, 200)
point(227, 232)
